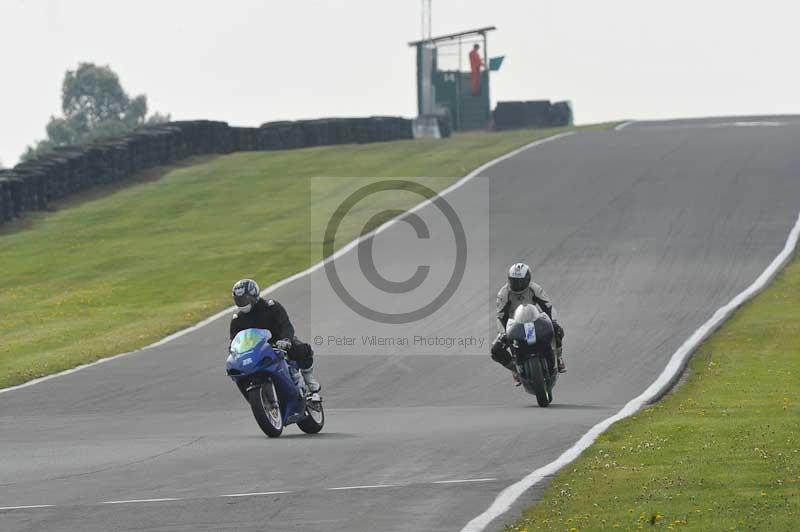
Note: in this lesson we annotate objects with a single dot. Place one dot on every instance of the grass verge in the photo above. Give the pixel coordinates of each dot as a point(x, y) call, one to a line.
point(120, 271)
point(722, 452)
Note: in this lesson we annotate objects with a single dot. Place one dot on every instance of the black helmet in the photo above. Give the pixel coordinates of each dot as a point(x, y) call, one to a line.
point(519, 277)
point(245, 294)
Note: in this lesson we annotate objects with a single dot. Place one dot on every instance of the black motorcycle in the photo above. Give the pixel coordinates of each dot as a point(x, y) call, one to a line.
point(532, 346)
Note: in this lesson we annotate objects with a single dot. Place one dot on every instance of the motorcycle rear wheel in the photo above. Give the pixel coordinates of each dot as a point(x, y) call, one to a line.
point(315, 419)
point(266, 409)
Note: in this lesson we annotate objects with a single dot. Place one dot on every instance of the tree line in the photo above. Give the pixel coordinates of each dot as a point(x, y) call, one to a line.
point(94, 105)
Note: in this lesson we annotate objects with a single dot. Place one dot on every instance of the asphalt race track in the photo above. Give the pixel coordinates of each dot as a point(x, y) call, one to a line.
point(639, 235)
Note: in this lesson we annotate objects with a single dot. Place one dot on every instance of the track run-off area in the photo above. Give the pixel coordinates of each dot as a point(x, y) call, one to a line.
point(639, 234)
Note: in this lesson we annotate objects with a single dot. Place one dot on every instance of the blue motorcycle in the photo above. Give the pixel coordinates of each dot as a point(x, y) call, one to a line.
point(272, 385)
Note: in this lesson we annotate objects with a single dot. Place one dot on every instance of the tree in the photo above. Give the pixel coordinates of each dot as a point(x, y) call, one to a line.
point(94, 106)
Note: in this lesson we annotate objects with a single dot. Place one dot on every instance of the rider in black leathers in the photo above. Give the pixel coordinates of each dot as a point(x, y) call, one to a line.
point(256, 312)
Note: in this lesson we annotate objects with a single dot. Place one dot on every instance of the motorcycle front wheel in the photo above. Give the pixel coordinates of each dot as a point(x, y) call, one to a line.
point(266, 409)
point(535, 371)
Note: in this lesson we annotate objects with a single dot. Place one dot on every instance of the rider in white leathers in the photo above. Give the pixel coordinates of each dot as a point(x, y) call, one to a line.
point(519, 290)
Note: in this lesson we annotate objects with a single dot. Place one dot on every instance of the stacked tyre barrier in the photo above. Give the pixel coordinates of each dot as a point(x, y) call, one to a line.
point(35, 184)
point(532, 114)
point(326, 132)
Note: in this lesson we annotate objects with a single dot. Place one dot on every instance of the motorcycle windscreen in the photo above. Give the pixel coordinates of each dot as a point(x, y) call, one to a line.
point(248, 339)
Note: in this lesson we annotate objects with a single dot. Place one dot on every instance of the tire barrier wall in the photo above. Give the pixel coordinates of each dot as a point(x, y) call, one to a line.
point(537, 113)
point(33, 185)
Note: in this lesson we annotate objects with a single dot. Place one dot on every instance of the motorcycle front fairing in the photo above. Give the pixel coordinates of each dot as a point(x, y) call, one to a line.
point(530, 339)
point(253, 361)
point(294, 403)
point(250, 353)
point(522, 340)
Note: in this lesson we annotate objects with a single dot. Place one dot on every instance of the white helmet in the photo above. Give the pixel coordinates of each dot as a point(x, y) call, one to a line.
point(519, 277)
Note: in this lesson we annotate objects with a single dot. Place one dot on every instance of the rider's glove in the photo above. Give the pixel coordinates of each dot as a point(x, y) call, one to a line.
point(284, 345)
point(559, 330)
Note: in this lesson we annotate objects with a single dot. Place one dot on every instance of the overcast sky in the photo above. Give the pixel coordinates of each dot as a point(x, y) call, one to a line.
point(250, 61)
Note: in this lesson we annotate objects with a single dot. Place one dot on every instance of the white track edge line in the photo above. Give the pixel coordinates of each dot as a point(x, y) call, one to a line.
point(134, 501)
point(252, 494)
point(620, 127)
point(303, 273)
point(30, 506)
point(345, 488)
point(255, 494)
point(660, 386)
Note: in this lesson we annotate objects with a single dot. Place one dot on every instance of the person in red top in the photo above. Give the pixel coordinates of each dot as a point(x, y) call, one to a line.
point(475, 63)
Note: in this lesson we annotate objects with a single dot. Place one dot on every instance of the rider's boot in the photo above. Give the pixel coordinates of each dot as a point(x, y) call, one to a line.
point(559, 351)
point(562, 368)
point(514, 374)
point(311, 383)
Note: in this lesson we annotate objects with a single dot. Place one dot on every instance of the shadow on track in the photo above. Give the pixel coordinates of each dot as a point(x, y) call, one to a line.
point(565, 406)
point(321, 436)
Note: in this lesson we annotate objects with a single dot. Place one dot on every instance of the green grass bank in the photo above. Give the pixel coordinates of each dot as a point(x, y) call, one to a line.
point(722, 452)
point(111, 274)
